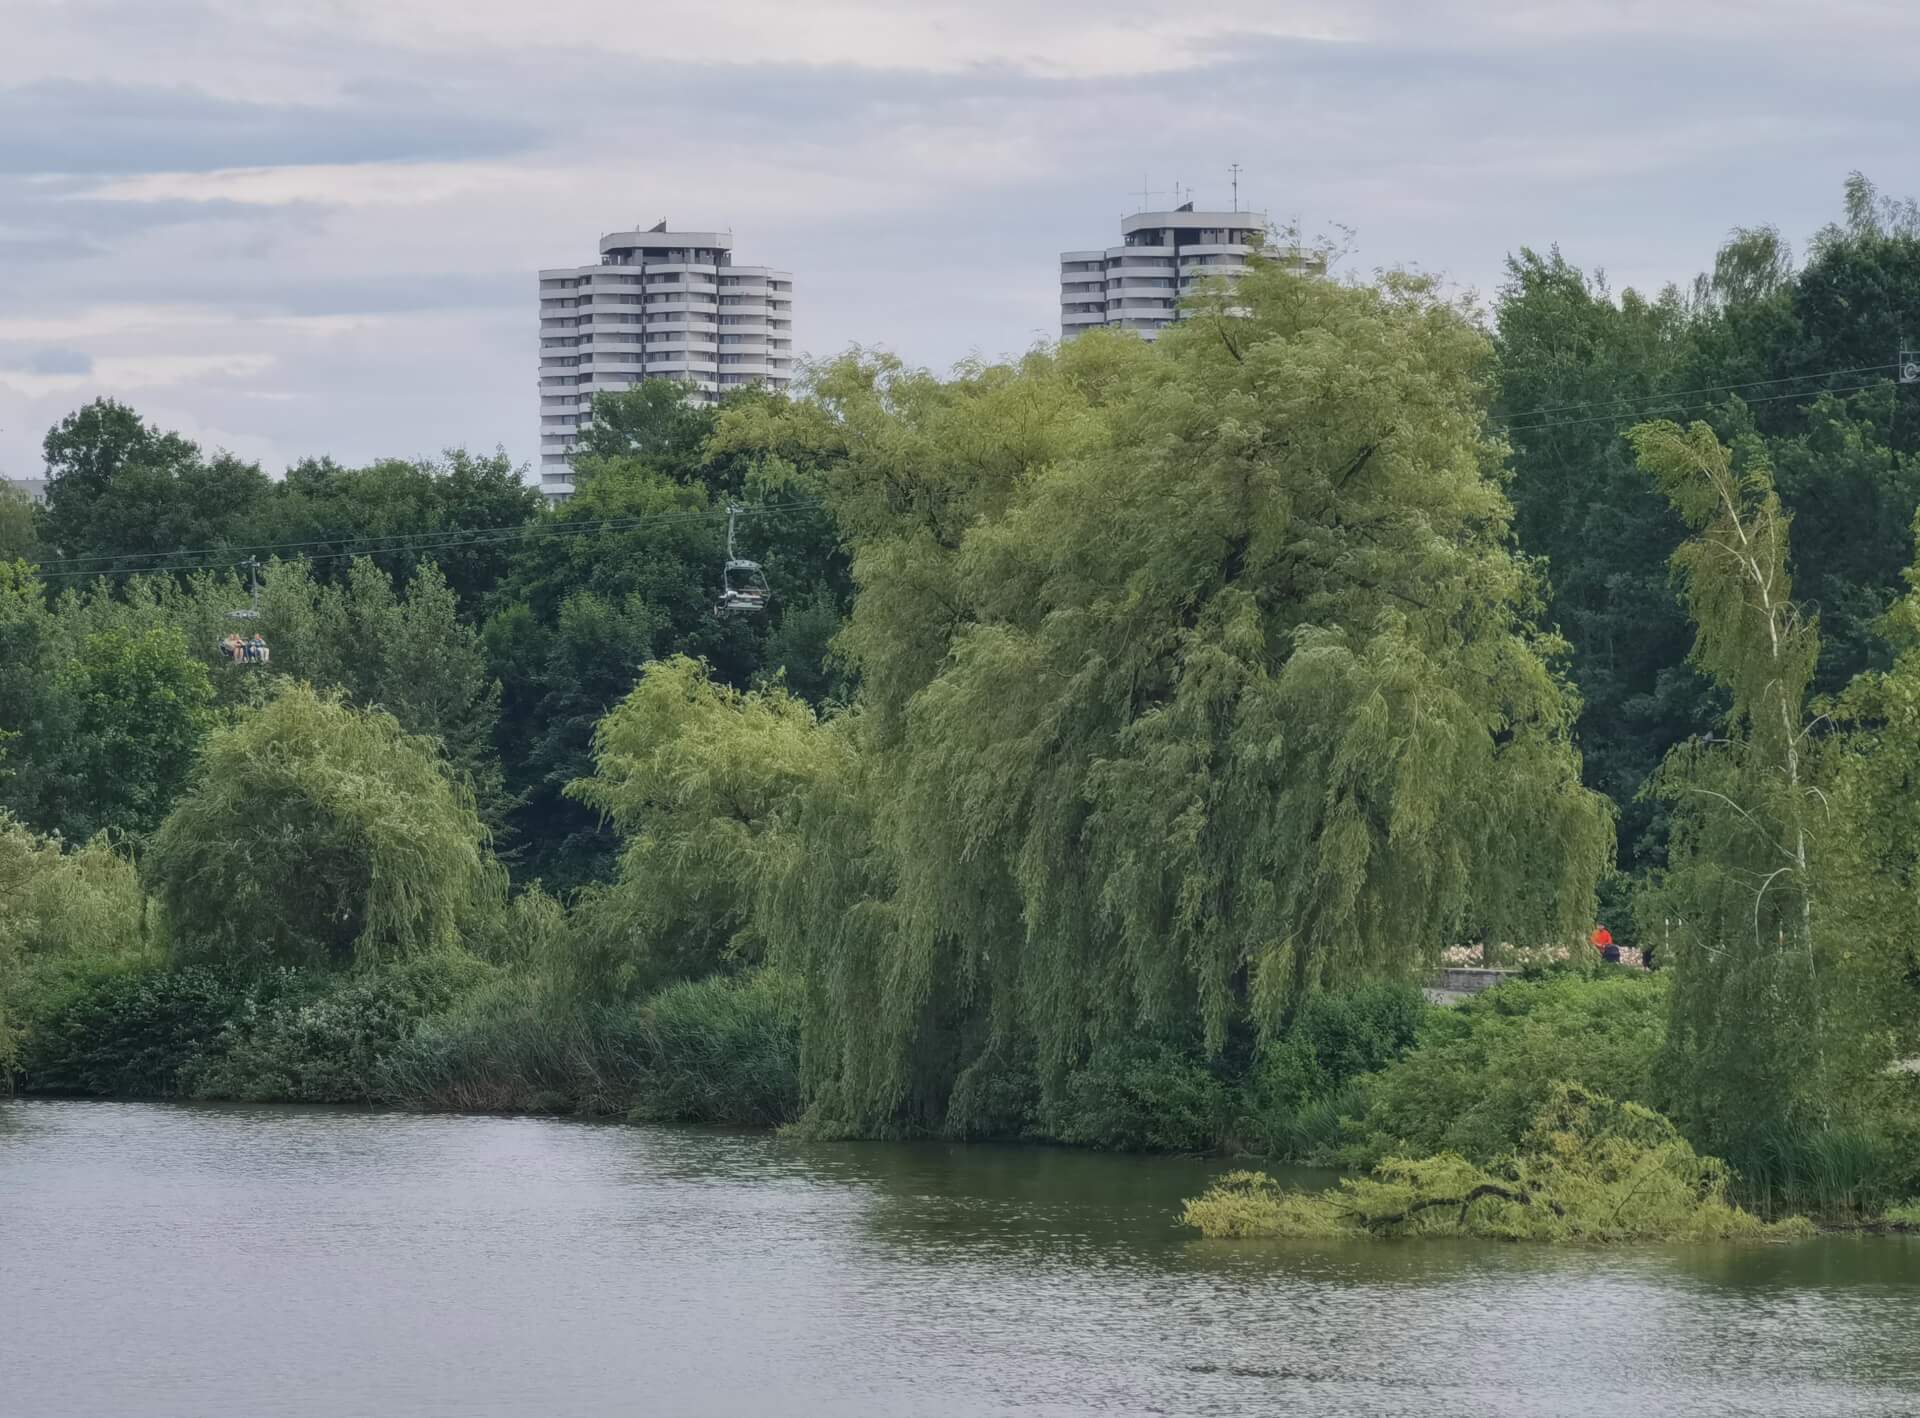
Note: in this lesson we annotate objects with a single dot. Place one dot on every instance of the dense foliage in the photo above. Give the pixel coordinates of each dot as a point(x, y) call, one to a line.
point(316, 834)
point(1589, 1169)
point(1193, 679)
point(1132, 727)
point(1481, 1072)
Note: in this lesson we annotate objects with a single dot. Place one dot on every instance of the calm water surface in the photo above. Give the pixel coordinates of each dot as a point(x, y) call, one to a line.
point(280, 1261)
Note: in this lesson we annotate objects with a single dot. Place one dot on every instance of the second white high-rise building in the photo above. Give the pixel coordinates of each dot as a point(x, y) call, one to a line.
point(659, 304)
point(1139, 284)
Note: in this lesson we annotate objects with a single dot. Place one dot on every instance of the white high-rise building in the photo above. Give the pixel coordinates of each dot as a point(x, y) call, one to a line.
point(659, 305)
point(1138, 284)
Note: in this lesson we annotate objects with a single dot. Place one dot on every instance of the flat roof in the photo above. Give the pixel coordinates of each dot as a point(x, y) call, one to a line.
point(1141, 221)
point(653, 240)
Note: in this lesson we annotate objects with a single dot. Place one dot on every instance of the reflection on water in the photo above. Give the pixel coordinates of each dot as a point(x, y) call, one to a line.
point(286, 1261)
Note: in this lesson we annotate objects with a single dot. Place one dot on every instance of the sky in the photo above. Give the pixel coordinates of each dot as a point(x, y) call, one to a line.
point(290, 228)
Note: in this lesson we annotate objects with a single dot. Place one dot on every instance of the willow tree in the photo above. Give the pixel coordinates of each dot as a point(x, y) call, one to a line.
point(695, 776)
point(1739, 913)
point(315, 833)
point(1195, 677)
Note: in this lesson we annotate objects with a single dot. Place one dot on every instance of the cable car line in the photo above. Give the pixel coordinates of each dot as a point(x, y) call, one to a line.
point(452, 538)
point(1689, 393)
point(1656, 409)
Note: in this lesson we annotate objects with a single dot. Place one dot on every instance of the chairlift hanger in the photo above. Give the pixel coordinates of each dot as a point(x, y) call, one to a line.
point(743, 586)
point(253, 650)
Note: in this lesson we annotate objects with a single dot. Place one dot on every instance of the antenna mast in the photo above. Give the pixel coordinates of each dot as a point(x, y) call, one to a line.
point(1234, 168)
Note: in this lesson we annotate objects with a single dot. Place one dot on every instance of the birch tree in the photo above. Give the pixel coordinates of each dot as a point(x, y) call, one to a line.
point(1738, 912)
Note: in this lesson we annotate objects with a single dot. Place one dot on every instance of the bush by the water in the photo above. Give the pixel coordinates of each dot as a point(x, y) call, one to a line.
point(63, 914)
point(719, 1050)
point(129, 1032)
point(1481, 1071)
point(1140, 1098)
point(722, 1050)
point(1865, 1157)
point(1304, 1082)
point(134, 1029)
point(1588, 1169)
point(326, 1040)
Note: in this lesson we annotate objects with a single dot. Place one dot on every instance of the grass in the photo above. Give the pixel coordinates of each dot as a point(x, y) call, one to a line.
point(1835, 1173)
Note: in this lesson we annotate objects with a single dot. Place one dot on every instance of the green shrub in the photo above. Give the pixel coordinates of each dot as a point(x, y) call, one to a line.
point(63, 916)
point(1865, 1158)
point(722, 1050)
point(1303, 1083)
point(997, 1096)
point(517, 1044)
point(128, 1031)
point(1481, 1071)
point(325, 1039)
point(1588, 1169)
point(1140, 1097)
point(719, 1050)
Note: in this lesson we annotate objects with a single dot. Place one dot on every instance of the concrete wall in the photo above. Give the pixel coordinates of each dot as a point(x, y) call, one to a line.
point(1469, 981)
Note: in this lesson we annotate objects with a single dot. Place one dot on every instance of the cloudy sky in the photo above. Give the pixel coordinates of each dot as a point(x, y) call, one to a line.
point(291, 227)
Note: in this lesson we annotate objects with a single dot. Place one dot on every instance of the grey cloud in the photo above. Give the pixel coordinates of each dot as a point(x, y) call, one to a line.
point(1632, 153)
point(49, 362)
point(63, 126)
point(19, 251)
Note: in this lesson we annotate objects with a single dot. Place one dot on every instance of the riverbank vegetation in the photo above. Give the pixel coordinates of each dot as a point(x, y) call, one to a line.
point(1133, 727)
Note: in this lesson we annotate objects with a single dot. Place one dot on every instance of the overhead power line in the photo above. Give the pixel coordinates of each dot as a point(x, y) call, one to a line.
point(1690, 393)
point(1623, 410)
point(172, 563)
point(1657, 407)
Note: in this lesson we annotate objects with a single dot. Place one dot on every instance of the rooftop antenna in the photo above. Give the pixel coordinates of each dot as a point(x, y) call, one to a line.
point(1234, 168)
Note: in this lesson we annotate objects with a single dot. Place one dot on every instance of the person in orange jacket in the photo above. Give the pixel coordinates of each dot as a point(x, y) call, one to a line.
point(1602, 939)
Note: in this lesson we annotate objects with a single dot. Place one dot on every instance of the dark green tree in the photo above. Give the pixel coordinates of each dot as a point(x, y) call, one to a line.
point(655, 422)
point(122, 493)
point(459, 513)
point(1571, 360)
point(136, 710)
point(19, 526)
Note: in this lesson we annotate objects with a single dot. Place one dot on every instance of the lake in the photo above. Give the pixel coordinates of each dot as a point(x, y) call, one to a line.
point(267, 1261)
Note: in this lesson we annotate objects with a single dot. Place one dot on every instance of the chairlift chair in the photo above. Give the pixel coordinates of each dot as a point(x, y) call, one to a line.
point(743, 587)
point(251, 650)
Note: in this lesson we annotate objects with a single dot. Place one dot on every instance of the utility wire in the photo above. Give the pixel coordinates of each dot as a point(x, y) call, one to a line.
point(1656, 408)
point(1689, 393)
point(404, 541)
point(1638, 407)
point(416, 542)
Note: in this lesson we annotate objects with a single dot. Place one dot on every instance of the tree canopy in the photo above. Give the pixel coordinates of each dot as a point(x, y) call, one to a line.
point(1192, 678)
point(319, 834)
